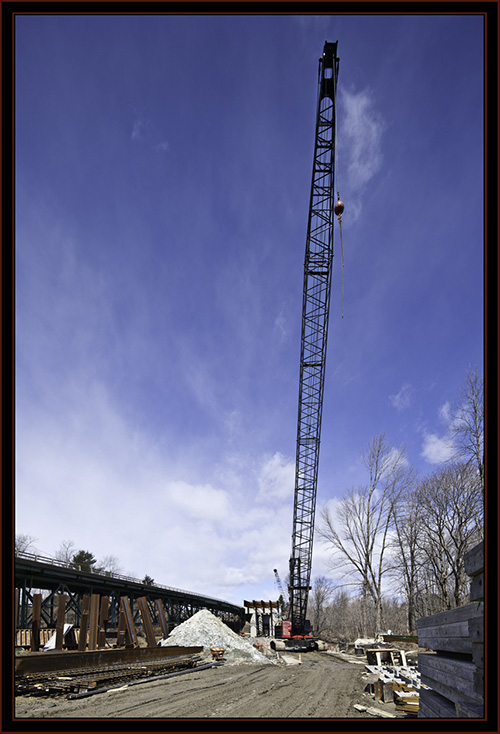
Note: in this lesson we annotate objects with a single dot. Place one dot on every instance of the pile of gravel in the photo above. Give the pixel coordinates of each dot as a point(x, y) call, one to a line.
point(205, 629)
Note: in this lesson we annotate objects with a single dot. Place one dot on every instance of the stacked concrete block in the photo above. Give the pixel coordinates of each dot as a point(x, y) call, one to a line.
point(454, 672)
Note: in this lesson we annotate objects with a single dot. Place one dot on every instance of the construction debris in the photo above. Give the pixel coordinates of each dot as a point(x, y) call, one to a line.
point(399, 684)
point(205, 629)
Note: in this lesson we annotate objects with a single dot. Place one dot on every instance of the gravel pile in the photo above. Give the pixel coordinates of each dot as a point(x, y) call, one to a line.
point(204, 628)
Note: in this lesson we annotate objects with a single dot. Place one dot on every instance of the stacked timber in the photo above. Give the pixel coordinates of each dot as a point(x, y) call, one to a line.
point(455, 669)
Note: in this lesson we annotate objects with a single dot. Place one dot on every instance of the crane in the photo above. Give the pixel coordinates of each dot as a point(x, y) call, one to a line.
point(318, 264)
point(283, 595)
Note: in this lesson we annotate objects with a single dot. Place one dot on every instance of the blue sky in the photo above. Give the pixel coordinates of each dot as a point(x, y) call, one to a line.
point(163, 169)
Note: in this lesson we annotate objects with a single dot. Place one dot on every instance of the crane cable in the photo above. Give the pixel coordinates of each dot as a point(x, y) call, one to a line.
point(339, 206)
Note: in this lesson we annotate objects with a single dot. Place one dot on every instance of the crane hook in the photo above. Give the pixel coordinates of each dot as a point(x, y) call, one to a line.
point(339, 210)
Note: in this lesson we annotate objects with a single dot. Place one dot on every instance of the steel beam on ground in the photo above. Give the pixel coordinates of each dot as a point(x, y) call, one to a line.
point(66, 660)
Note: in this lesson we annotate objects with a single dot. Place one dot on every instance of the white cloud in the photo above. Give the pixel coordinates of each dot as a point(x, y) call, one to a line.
point(402, 399)
point(199, 500)
point(84, 472)
point(276, 479)
point(435, 449)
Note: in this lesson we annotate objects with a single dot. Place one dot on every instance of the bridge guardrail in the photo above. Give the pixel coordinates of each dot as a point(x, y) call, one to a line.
point(37, 557)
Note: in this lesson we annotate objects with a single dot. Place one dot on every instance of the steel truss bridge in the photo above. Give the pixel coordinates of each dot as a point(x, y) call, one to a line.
point(35, 574)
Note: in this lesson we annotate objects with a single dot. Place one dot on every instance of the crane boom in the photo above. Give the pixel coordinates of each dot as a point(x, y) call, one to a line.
point(318, 266)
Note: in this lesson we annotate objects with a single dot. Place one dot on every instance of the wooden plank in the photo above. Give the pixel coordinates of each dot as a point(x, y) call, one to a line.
point(477, 587)
point(478, 654)
point(432, 665)
point(400, 638)
point(454, 689)
point(387, 693)
point(61, 612)
point(405, 687)
point(458, 629)
point(451, 616)
point(468, 710)
point(476, 629)
point(433, 705)
point(479, 683)
point(383, 690)
point(378, 712)
point(474, 560)
point(446, 643)
point(84, 623)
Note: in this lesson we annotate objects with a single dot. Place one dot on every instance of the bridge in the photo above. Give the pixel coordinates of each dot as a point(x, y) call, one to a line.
point(34, 573)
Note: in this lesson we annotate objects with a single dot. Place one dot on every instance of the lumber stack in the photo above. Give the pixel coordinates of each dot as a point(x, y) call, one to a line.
point(455, 669)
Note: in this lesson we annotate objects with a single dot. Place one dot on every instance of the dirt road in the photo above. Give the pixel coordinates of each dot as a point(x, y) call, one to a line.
point(323, 686)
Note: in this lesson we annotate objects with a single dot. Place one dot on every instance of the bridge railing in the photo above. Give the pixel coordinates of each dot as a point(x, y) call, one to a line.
point(99, 572)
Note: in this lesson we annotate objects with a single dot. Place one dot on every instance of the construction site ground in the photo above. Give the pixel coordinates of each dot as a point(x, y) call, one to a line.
point(322, 686)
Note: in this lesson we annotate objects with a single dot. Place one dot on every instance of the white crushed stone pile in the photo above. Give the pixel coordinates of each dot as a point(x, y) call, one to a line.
point(205, 629)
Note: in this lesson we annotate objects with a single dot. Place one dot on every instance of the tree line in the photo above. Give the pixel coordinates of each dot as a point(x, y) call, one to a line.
point(399, 541)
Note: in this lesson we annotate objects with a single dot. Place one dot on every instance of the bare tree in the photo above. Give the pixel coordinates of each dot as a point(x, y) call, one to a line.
point(451, 504)
point(468, 425)
point(318, 602)
point(109, 565)
point(23, 543)
point(343, 617)
point(65, 552)
point(359, 533)
point(406, 566)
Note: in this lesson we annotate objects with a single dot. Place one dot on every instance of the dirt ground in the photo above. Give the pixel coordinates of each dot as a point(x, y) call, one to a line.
point(323, 686)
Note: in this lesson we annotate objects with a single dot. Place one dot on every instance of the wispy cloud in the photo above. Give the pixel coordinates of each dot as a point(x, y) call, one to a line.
point(139, 128)
point(141, 133)
point(402, 399)
point(360, 142)
point(276, 479)
point(282, 327)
